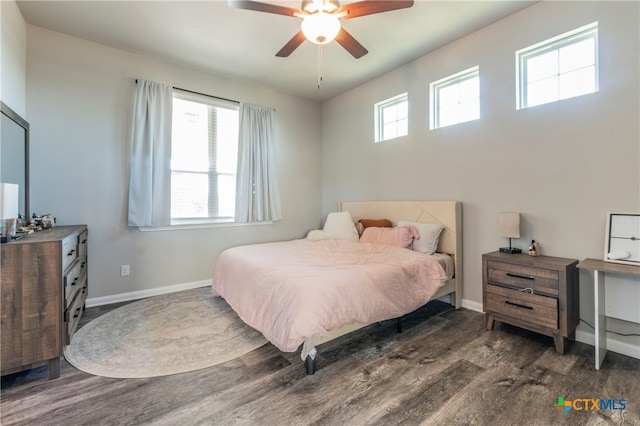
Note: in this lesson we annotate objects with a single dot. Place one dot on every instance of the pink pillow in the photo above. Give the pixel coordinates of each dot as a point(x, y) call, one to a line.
point(401, 236)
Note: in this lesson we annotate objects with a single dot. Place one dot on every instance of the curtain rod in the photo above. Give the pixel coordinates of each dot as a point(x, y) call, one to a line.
point(204, 94)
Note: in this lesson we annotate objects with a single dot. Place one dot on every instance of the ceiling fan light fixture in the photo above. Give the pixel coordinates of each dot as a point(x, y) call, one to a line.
point(320, 28)
point(313, 6)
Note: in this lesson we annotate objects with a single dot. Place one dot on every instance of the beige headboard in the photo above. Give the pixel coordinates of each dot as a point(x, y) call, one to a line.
point(446, 213)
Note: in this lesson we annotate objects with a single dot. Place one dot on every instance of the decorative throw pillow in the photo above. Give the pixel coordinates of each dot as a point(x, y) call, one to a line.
point(429, 236)
point(402, 236)
point(340, 226)
point(378, 223)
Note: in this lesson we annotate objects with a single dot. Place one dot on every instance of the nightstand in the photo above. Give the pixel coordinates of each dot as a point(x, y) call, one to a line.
point(536, 293)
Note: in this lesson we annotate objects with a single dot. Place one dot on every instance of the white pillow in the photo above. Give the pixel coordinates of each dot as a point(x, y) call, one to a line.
point(316, 235)
point(429, 236)
point(340, 226)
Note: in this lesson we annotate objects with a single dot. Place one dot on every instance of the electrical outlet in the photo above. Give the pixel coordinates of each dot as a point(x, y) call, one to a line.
point(124, 270)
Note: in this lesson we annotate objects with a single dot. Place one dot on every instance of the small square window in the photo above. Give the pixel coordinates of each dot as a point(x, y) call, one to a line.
point(559, 68)
point(455, 99)
point(392, 118)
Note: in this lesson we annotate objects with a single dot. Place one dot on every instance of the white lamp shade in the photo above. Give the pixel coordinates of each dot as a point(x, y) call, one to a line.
point(320, 28)
point(510, 225)
point(9, 200)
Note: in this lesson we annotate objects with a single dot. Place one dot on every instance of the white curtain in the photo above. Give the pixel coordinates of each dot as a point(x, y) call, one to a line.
point(257, 192)
point(150, 173)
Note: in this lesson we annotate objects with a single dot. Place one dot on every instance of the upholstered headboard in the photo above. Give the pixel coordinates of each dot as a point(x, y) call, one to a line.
point(446, 213)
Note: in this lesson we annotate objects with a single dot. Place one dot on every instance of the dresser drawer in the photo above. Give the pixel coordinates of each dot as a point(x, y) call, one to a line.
point(82, 244)
point(72, 280)
point(520, 276)
point(69, 251)
point(74, 312)
point(523, 306)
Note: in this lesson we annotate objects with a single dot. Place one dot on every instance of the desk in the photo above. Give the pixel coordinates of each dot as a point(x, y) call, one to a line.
point(599, 267)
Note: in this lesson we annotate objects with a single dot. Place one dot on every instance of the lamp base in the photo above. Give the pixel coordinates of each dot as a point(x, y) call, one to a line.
point(510, 250)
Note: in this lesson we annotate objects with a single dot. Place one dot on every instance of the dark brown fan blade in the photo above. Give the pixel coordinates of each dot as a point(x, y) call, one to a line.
point(352, 45)
point(262, 7)
point(370, 7)
point(291, 45)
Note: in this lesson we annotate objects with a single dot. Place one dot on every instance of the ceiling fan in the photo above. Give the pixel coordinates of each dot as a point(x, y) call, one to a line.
point(321, 20)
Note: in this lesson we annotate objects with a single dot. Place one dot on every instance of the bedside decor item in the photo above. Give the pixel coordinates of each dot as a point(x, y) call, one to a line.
point(48, 221)
point(510, 228)
point(533, 248)
point(8, 210)
point(622, 241)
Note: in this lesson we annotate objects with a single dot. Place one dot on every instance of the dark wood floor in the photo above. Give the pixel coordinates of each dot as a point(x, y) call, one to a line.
point(443, 369)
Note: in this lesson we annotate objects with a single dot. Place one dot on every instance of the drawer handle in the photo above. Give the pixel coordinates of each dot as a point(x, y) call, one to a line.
point(77, 314)
point(517, 305)
point(84, 241)
point(71, 253)
point(524, 277)
point(75, 281)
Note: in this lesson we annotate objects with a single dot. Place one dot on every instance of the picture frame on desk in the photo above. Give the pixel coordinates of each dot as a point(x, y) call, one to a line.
point(622, 238)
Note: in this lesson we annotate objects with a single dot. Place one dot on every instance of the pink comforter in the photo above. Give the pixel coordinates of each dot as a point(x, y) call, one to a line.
point(294, 290)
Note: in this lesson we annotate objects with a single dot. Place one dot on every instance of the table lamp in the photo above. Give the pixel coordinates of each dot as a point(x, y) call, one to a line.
point(8, 209)
point(510, 228)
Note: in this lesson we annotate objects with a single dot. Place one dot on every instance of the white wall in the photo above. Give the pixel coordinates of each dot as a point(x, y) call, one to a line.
point(80, 99)
point(562, 165)
point(13, 57)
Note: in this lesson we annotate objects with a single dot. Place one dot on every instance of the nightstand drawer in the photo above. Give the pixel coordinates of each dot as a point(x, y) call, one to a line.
point(523, 306)
point(521, 276)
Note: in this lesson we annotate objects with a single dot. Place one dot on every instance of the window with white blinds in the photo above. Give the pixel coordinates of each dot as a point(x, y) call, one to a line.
point(204, 153)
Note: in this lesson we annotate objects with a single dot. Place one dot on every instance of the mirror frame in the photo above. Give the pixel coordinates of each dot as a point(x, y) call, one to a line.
point(13, 116)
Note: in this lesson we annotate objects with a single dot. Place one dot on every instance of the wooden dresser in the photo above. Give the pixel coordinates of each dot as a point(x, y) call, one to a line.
point(44, 288)
point(536, 293)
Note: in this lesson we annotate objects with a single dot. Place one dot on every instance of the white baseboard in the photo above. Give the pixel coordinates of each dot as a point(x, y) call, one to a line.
point(141, 294)
point(470, 304)
point(612, 345)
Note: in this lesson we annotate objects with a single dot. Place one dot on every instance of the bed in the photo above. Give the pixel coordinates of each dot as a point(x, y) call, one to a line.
point(306, 292)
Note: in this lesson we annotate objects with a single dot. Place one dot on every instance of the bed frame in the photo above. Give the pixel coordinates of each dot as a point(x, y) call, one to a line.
point(446, 213)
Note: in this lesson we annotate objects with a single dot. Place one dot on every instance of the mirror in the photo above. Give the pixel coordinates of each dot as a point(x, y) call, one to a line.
point(14, 154)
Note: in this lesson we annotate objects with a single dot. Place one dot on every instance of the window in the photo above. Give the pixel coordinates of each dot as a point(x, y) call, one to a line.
point(455, 99)
point(204, 152)
point(558, 68)
point(392, 118)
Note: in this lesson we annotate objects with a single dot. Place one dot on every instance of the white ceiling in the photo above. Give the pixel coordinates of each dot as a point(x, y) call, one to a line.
point(211, 36)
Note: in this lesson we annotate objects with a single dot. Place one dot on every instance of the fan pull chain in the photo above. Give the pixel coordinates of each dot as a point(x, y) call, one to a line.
point(319, 65)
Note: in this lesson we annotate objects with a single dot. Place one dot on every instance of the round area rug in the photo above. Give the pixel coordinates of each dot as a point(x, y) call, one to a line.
point(167, 334)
